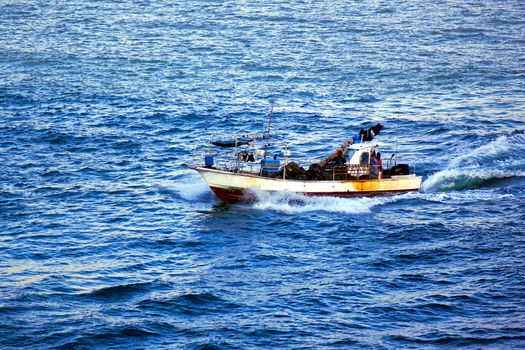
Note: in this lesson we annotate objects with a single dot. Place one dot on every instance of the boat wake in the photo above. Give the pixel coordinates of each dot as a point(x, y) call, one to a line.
point(190, 188)
point(499, 159)
point(462, 197)
point(294, 203)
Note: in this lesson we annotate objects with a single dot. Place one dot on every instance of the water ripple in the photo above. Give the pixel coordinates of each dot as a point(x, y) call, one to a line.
point(108, 240)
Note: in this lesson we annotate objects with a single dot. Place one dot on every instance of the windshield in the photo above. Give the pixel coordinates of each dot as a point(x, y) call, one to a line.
point(349, 153)
point(364, 158)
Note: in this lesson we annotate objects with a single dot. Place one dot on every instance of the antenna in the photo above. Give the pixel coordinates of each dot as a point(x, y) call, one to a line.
point(396, 149)
point(268, 133)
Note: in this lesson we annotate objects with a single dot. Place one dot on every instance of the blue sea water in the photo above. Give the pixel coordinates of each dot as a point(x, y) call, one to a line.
point(108, 241)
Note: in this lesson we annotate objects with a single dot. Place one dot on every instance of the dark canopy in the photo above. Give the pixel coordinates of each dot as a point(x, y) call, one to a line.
point(232, 143)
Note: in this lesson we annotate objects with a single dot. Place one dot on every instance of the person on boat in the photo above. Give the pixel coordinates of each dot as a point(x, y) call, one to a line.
point(373, 166)
point(340, 159)
point(379, 166)
point(331, 157)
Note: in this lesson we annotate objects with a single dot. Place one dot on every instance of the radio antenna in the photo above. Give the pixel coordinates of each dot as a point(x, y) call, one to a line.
point(268, 132)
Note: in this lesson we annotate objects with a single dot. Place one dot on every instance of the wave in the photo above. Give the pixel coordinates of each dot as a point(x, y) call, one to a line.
point(462, 197)
point(193, 303)
point(294, 203)
point(190, 188)
point(122, 290)
point(499, 159)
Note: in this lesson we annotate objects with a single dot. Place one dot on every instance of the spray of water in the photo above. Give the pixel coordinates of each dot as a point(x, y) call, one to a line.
point(293, 203)
point(190, 187)
point(498, 159)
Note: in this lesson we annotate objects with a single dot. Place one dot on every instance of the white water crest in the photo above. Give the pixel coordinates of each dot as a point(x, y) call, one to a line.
point(461, 196)
point(294, 203)
point(498, 159)
point(190, 188)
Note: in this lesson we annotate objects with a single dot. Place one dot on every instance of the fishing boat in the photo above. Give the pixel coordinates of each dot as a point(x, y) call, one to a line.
point(245, 169)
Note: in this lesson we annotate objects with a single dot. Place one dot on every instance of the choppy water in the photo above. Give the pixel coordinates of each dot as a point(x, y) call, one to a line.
point(108, 241)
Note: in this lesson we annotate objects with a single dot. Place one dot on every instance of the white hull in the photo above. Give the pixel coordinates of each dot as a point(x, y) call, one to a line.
point(229, 186)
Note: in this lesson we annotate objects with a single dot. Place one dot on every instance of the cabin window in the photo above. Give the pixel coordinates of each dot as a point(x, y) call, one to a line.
point(349, 154)
point(365, 158)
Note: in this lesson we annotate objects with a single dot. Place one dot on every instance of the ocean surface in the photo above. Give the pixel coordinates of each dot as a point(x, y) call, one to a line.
point(109, 241)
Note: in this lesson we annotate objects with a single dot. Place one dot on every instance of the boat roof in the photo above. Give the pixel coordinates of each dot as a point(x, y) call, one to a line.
point(358, 146)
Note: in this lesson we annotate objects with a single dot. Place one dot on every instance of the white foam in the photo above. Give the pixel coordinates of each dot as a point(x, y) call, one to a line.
point(293, 203)
point(501, 158)
point(447, 178)
point(462, 197)
point(190, 188)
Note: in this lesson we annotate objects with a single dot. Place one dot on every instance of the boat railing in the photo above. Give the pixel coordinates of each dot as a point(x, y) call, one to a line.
point(237, 163)
point(367, 172)
point(355, 172)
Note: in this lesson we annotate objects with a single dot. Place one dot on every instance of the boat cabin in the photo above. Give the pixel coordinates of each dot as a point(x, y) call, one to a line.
point(359, 153)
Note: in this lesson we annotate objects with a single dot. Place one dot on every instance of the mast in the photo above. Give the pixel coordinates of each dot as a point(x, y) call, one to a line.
point(268, 132)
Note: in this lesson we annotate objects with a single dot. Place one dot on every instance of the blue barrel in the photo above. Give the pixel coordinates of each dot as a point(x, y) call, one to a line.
point(208, 161)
